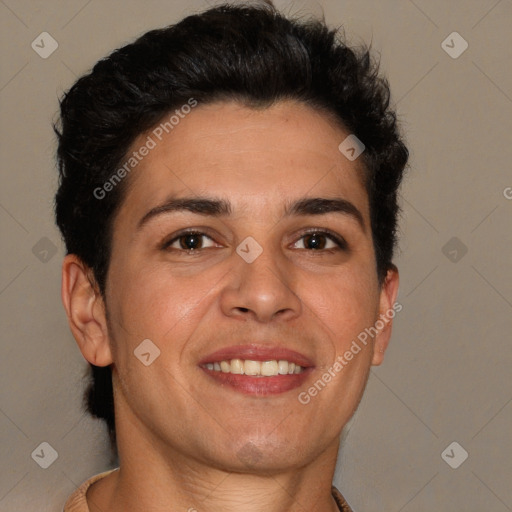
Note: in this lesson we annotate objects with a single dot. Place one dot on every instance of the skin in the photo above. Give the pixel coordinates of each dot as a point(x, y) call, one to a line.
point(181, 437)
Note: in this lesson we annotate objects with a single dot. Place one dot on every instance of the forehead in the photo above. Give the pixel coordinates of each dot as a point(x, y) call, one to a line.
point(257, 157)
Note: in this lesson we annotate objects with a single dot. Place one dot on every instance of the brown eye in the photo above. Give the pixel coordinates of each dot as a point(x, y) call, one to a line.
point(320, 240)
point(191, 241)
point(315, 241)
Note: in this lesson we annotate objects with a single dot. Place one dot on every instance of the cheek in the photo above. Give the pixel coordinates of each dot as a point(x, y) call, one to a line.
point(159, 305)
point(151, 301)
point(345, 304)
point(153, 304)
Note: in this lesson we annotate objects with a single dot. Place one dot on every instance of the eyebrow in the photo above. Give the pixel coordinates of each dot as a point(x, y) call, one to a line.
point(216, 207)
point(322, 206)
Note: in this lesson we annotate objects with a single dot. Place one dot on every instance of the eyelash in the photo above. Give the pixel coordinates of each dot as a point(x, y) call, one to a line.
point(337, 239)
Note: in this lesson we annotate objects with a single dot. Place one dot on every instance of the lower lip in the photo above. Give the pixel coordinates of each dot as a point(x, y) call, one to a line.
point(260, 386)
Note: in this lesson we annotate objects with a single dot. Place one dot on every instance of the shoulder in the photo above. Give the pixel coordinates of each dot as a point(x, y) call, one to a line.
point(340, 500)
point(77, 501)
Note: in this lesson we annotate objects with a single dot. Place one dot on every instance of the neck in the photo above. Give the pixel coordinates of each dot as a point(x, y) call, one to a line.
point(160, 478)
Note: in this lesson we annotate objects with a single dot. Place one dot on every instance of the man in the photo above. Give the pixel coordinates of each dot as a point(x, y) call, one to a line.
point(228, 200)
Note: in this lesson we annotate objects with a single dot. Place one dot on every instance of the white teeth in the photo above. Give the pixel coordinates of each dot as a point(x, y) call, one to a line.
point(237, 366)
point(283, 367)
point(252, 368)
point(269, 368)
point(249, 367)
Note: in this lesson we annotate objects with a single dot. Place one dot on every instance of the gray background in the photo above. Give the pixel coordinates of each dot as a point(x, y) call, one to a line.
point(446, 376)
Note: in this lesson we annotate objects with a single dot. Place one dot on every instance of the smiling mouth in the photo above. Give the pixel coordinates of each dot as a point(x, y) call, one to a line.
point(257, 369)
point(253, 368)
point(259, 378)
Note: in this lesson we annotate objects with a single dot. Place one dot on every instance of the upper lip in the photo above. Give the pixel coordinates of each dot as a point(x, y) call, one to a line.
point(257, 352)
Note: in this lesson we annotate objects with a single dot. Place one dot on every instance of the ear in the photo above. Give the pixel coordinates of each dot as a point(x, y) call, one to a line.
point(85, 309)
point(387, 311)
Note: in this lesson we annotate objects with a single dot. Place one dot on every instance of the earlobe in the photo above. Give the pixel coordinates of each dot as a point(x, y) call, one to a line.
point(85, 310)
point(387, 311)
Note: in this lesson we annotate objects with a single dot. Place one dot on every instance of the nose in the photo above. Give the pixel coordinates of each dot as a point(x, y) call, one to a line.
point(261, 290)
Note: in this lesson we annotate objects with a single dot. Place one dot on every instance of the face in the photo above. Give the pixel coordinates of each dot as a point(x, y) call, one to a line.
point(280, 266)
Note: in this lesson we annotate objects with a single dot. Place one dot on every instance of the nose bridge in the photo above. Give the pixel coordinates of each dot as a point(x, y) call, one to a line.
point(261, 283)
